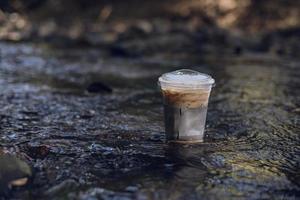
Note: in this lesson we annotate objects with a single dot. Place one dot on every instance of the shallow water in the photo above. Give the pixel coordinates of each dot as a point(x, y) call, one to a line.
point(108, 145)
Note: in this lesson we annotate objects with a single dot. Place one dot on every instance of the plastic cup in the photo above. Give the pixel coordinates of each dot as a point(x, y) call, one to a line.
point(185, 96)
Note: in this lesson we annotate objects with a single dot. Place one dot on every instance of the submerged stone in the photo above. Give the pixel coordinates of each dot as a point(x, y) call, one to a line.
point(99, 87)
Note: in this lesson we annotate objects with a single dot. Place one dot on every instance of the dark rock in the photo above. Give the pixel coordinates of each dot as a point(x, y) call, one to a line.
point(101, 193)
point(62, 188)
point(280, 51)
point(32, 4)
point(281, 42)
point(36, 150)
point(13, 172)
point(131, 189)
point(29, 112)
point(119, 51)
point(100, 148)
point(5, 5)
point(99, 87)
point(87, 114)
point(238, 50)
point(60, 41)
point(99, 39)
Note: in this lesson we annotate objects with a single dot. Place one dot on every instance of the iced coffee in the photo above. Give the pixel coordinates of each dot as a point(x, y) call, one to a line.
point(185, 96)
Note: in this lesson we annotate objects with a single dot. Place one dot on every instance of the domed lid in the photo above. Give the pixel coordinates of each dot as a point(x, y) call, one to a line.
point(186, 78)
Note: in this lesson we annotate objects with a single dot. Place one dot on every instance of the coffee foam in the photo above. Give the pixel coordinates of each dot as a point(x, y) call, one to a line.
point(185, 78)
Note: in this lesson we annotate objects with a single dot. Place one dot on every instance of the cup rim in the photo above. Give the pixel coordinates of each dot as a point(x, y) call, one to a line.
point(208, 81)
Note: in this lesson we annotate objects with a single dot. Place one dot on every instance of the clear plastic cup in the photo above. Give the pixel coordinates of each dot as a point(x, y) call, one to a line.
point(185, 95)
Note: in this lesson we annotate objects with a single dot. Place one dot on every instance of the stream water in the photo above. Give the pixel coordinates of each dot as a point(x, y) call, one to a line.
point(111, 145)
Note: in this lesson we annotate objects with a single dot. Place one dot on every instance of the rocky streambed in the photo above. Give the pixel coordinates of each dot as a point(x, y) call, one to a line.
point(88, 124)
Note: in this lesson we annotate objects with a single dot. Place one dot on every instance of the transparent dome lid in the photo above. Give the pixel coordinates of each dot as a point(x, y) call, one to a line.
point(186, 78)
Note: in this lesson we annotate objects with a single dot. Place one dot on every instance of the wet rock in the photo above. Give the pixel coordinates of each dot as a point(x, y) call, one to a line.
point(26, 5)
point(87, 114)
point(99, 87)
point(281, 42)
point(37, 150)
point(280, 51)
point(101, 193)
point(157, 138)
point(100, 39)
point(131, 189)
point(103, 150)
point(238, 50)
point(62, 188)
point(100, 148)
point(120, 51)
point(139, 30)
point(13, 172)
point(31, 113)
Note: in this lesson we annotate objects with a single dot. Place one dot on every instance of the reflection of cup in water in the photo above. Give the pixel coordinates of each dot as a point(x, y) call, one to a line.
point(185, 94)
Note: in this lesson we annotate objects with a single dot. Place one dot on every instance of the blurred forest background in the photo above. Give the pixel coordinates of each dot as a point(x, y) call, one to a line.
point(80, 104)
point(133, 27)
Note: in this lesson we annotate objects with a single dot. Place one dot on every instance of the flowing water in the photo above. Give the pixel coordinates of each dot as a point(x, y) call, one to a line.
point(111, 145)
